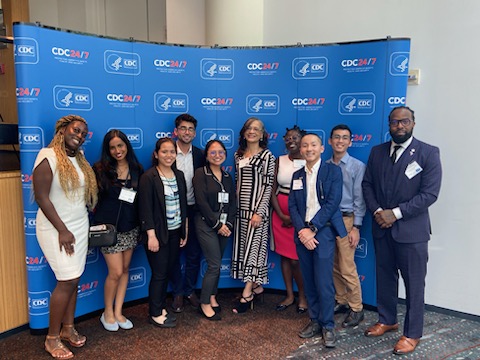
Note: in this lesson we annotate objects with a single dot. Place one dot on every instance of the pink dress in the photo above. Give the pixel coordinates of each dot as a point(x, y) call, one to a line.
point(283, 236)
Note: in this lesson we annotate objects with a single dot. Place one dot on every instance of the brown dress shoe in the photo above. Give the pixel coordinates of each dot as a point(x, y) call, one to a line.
point(177, 304)
point(379, 329)
point(193, 300)
point(405, 345)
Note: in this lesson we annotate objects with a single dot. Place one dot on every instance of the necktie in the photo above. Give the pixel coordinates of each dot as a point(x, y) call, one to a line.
point(394, 154)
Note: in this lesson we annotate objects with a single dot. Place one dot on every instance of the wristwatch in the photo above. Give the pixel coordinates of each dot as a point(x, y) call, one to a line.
point(312, 227)
point(357, 226)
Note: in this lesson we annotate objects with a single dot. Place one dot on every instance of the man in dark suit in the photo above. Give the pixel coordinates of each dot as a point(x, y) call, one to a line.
point(189, 158)
point(402, 180)
point(313, 203)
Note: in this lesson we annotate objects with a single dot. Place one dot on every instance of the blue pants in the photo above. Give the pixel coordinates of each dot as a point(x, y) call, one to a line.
point(317, 273)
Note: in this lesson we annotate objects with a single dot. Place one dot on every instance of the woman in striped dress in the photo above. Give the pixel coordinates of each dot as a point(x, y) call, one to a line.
point(255, 167)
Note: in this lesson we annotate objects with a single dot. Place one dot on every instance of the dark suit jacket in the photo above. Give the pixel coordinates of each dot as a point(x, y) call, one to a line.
point(198, 159)
point(413, 196)
point(329, 193)
point(206, 188)
point(151, 202)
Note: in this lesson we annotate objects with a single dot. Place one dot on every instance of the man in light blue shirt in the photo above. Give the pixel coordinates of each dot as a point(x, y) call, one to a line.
point(348, 292)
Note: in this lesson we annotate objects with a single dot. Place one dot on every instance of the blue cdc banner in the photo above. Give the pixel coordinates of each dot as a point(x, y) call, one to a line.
point(141, 87)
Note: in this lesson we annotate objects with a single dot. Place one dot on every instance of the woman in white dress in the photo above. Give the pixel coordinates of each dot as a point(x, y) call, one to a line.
point(64, 185)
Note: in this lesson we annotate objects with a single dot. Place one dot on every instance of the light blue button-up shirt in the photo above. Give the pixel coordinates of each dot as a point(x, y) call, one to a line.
point(352, 195)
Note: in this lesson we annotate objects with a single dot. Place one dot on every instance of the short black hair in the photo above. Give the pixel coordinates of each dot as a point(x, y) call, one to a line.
point(402, 107)
point(185, 117)
point(340, 127)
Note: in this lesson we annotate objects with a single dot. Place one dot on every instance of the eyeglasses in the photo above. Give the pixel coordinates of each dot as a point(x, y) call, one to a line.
point(185, 129)
point(341, 137)
point(404, 122)
point(291, 138)
point(253, 128)
point(215, 153)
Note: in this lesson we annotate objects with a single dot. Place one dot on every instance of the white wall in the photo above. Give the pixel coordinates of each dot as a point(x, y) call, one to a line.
point(233, 22)
point(186, 22)
point(139, 19)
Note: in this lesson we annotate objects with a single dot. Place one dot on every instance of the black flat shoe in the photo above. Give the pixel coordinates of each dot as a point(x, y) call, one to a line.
point(166, 323)
point(283, 307)
point(217, 309)
point(301, 310)
point(214, 317)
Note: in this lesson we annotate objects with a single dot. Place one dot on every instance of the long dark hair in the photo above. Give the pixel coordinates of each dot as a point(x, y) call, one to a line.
point(105, 169)
point(242, 143)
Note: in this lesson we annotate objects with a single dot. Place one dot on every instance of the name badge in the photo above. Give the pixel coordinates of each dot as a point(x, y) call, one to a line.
point(223, 218)
point(127, 195)
point(413, 169)
point(297, 184)
point(243, 162)
point(223, 198)
point(299, 163)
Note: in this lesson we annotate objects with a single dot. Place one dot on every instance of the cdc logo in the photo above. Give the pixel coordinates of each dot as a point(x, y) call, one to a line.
point(362, 250)
point(67, 97)
point(38, 302)
point(396, 100)
point(263, 104)
point(25, 50)
point(137, 277)
point(30, 138)
point(310, 68)
point(30, 222)
point(356, 103)
point(122, 63)
point(134, 135)
point(170, 103)
point(224, 135)
point(216, 69)
point(399, 63)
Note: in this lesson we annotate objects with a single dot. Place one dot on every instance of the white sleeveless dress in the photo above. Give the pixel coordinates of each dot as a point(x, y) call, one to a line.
point(73, 212)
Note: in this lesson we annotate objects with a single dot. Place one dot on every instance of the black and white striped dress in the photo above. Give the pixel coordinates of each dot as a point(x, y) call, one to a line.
point(250, 246)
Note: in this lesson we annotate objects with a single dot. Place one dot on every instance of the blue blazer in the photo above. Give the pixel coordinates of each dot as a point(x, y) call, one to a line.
point(386, 186)
point(329, 193)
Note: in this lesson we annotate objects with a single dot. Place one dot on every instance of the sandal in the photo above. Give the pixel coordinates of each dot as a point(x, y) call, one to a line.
point(74, 339)
point(242, 307)
point(58, 351)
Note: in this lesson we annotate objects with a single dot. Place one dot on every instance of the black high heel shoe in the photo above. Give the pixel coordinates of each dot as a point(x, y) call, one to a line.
point(242, 307)
point(258, 295)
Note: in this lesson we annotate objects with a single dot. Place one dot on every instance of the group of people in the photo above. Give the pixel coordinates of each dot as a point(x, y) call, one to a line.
point(311, 210)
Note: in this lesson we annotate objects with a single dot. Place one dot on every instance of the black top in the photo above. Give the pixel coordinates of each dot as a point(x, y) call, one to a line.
point(108, 205)
point(207, 187)
point(152, 209)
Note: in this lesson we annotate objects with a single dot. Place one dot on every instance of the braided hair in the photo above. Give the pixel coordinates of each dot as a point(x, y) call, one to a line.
point(68, 176)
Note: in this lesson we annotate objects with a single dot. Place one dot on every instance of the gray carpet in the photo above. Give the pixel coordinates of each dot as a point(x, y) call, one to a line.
point(445, 337)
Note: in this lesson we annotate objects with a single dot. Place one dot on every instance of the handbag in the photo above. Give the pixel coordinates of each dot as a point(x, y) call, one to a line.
point(104, 234)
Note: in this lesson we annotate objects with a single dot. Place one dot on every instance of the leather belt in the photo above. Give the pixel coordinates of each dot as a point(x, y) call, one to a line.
point(347, 213)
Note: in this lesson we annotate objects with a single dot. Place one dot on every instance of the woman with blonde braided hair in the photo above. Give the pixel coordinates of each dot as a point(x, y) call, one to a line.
point(64, 185)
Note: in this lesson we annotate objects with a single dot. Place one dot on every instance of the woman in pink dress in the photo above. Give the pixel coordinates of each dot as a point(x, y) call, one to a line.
point(282, 229)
